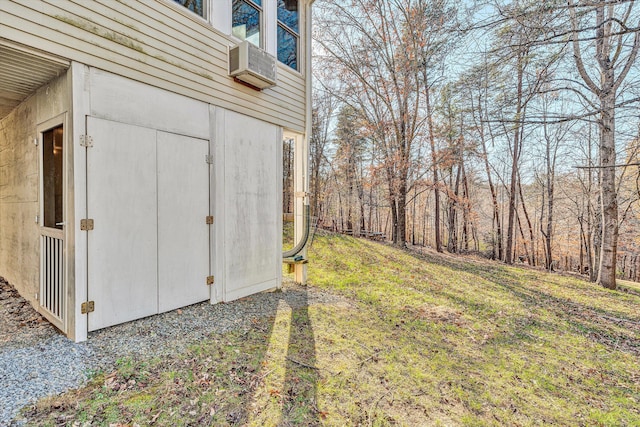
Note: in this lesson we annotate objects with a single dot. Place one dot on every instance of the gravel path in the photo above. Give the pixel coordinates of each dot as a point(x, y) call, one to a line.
point(37, 361)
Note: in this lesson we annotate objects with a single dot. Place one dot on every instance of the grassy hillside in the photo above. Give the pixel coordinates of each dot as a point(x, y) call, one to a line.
point(394, 338)
point(474, 342)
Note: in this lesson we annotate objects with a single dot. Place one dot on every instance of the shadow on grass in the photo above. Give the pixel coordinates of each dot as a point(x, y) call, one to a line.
point(301, 378)
point(291, 397)
point(260, 372)
point(608, 327)
point(600, 321)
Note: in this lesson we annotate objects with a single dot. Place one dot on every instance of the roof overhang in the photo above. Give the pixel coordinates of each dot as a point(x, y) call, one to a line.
point(22, 71)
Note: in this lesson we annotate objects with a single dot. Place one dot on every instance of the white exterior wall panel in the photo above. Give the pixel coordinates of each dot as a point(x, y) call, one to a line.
point(150, 189)
point(122, 201)
point(183, 234)
point(127, 101)
point(252, 244)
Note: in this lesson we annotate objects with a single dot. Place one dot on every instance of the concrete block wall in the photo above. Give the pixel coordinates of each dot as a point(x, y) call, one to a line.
point(19, 185)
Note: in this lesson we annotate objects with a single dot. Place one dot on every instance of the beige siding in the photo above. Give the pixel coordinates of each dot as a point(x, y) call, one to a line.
point(152, 42)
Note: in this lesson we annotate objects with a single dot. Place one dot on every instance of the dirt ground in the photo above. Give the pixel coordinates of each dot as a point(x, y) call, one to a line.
point(20, 323)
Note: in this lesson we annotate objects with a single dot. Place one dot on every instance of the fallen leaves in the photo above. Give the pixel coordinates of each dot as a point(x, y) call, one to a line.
point(274, 392)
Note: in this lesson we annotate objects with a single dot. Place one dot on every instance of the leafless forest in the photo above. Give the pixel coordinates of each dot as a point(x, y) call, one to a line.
point(504, 128)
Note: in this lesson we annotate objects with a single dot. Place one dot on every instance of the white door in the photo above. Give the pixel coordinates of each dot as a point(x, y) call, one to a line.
point(183, 235)
point(122, 201)
point(148, 194)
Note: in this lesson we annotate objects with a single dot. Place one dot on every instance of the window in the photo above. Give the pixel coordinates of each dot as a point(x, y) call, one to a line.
point(195, 6)
point(247, 21)
point(52, 177)
point(288, 33)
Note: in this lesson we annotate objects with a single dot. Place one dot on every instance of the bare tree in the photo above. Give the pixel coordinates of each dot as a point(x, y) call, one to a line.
point(552, 138)
point(349, 154)
point(376, 49)
point(323, 108)
point(615, 53)
point(521, 51)
point(476, 89)
point(434, 39)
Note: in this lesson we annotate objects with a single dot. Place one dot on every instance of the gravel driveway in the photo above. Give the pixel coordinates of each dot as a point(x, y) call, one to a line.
point(37, 361)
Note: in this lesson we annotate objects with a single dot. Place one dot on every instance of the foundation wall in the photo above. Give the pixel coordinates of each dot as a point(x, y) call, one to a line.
point(19, 185)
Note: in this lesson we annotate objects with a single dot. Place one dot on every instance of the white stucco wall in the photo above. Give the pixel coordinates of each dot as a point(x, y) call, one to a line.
point(245, 180)
point(249, 189)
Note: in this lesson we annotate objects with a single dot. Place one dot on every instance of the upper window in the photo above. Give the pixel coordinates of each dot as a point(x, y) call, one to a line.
point(247, 20)
point(288, 32)
point(195, 6)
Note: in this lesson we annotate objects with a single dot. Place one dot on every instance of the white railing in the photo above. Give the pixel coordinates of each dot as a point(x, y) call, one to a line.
point(52, 283)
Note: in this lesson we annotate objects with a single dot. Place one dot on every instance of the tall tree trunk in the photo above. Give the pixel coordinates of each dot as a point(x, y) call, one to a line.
point(608, 253)
point(550, 178)
point(524, 240)
point(583, 244)
point(497, 247)
point(607, 55)
point(413, 219)
point(434, 161)
point(465, 212)
point(394, 222)
point(452, 244)
point(547, 245)
point(597, 239)
point(548, 235)
point(589, 238)
point(371, 204)
point(496, 223)
point(532, 259)
point(425, 220)
point(514, 165)
point(402, 212)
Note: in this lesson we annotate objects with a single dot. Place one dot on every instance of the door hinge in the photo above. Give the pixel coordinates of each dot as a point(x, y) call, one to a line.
point(86, 224)
point(86, 141)
point(209, 159)
point(210, 280)
point(87, 307)
point(209, 220)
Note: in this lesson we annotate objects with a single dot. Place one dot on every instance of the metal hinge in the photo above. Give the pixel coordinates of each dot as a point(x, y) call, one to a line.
point(87, 307)
point(86, 141)
point(86, 224)
point(209, 159)
point(209, 220)
point(210, 280)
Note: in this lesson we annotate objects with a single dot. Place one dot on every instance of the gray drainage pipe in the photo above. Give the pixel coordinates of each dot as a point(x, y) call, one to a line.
point(306, 225)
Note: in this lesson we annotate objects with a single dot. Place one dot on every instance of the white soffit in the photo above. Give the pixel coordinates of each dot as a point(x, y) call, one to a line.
point(22, 71)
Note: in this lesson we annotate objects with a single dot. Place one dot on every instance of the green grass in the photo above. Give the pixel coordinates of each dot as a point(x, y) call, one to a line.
point(410, 339)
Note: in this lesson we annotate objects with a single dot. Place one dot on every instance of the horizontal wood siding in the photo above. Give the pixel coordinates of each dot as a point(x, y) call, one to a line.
point(152, 42)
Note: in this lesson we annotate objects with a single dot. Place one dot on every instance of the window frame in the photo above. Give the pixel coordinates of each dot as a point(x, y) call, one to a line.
point(206, 10)
point(296, 35)
point(261, 20)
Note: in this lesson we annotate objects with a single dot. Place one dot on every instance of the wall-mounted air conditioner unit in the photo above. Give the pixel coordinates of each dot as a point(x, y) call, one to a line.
point(252, 65)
